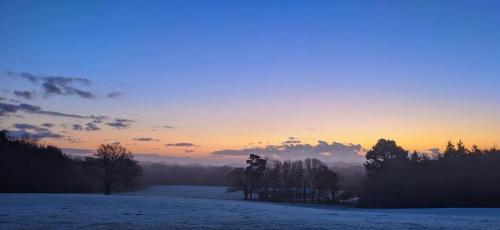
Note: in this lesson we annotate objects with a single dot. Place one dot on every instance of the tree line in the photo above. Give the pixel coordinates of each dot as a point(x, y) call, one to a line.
point(284, 181)
point(395, 178)
point(26, 165)
point(460, 177)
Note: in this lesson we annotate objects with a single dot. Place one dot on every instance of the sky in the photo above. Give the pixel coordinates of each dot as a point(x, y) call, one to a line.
point(211, 80)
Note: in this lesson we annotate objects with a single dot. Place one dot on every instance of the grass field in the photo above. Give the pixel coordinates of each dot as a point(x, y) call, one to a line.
point(202, 207)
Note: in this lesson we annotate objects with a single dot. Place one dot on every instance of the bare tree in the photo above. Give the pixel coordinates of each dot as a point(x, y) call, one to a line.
point(298, 179)
point(117, 164)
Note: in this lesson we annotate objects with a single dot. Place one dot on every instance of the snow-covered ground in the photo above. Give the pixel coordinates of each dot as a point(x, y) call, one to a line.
point(201, 207)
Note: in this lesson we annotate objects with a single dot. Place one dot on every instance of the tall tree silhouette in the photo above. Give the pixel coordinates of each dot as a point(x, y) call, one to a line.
point(383, 154)
point(387, 169)
point(117, 165)
point(255, 170)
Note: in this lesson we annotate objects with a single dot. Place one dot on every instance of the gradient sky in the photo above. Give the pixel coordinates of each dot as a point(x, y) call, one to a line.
point(231, 74)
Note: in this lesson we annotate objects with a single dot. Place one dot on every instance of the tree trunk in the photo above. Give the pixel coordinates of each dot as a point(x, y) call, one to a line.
point(107, 188)
point(304, 194)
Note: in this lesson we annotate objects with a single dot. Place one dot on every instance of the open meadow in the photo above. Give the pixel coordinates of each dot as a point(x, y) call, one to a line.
point(204, 207)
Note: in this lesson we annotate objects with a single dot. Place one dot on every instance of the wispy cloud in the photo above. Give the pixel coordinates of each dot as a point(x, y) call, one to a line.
point(180, 144)
point(77, 127)
point(120, 123)
point(88, 127)
point(58, 85)
point(37, 134)
point(292, 140)
point(24, 94)
point(114, 94)
point(33, 131)
point(91, 127)
point(145, 139)
point(7, 108)
point(48, 125)
point(29, 126)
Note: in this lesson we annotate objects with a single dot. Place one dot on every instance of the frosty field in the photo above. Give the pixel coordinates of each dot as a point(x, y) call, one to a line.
point(201, 207)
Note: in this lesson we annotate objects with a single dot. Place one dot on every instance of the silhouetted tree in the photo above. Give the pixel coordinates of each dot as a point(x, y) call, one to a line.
point(383, 154)
point(117, 165)
point(297, 180)
point(255, 171)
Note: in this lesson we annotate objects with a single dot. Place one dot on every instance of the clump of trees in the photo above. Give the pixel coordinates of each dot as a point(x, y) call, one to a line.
point(284, 181)
point(460, 177)
point(26, 165)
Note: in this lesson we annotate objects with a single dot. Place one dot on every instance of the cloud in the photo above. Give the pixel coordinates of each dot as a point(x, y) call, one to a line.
point(7, 99)
point(58, 85)
point(24, 94)
point(335, 151)
point(59, 80)
point(36, 135)
point(145, 139)
point(124, 120)
point(24, 126)
point(72, 139)
point(79, 92)
point(98, 119)
point(91, 127)
point(114, 94)
point(77, 127)
point(181, 144)
point(120, 123)
point(32, 131)
point(28, 108)
point(51, 88)
point(6, 109)
point(48, 125)
point(168, 127)
point(28, 76)
point(292, 140)
point(88, 127)
point(188, 151)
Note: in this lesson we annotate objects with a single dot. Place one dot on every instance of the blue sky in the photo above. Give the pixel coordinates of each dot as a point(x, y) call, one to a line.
point(230, 72)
